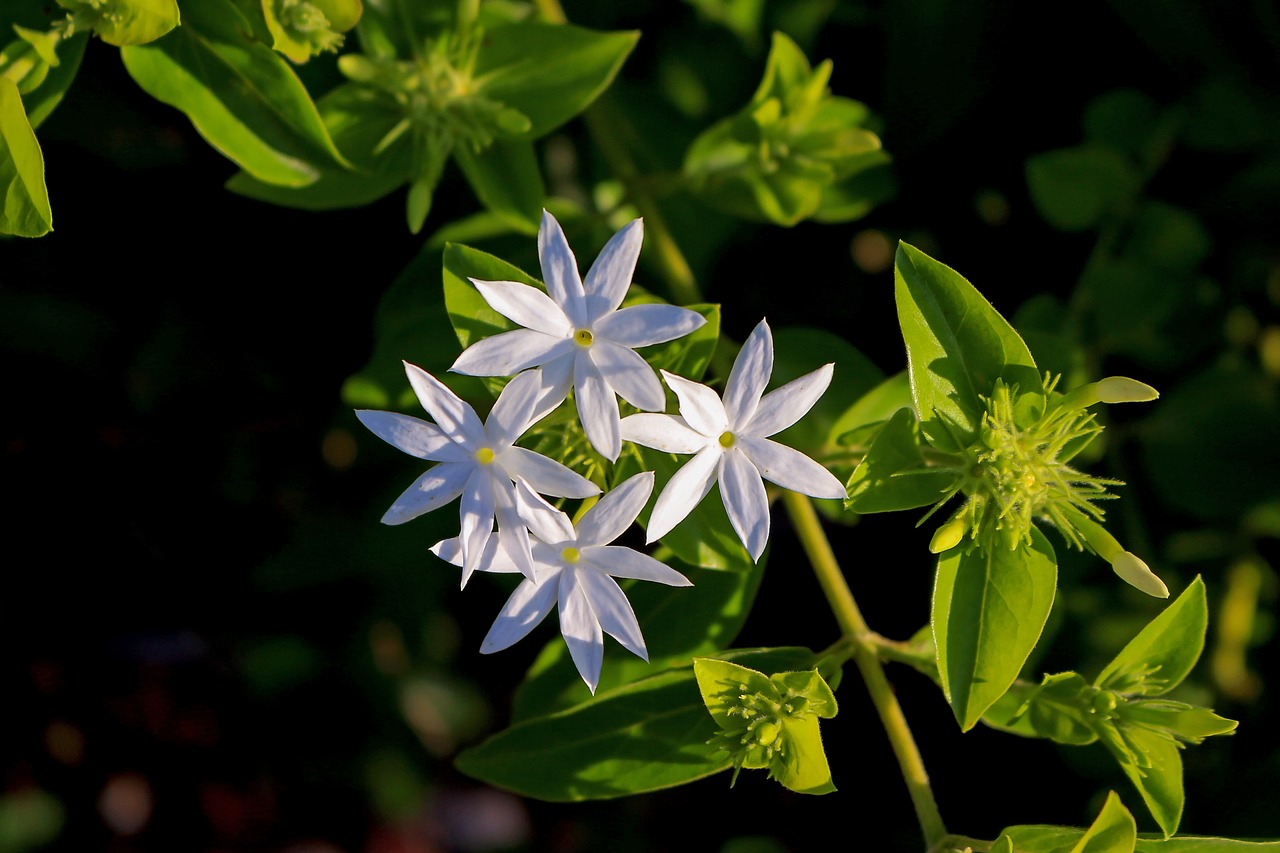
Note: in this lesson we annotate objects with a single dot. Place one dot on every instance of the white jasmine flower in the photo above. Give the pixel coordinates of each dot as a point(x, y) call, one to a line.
point(730, 440)
point(478, 461)
point(574, 571)
point(578, 335)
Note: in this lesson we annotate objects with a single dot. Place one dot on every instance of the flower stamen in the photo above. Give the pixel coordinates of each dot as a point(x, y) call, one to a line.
point(727, 439)
point(484, 456)
point(583, 337)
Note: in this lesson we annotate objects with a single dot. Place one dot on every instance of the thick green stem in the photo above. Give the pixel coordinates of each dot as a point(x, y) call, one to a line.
point(854, 627)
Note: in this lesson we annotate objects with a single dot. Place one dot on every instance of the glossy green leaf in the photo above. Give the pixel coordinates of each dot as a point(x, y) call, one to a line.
point(45, 98)
point(1153, 763)
point(648, 735)
point(859, 423)
point(1113, 831)
point(989, 608)
point(1061, 839)
point(1059, 709)
point(893, 474)
point(804, 767)
point(957, 347)
point(26, 210)
point(505, 177)
point(1075, 188)
point(1161, 655)
point(239, 94)
point(549, 72)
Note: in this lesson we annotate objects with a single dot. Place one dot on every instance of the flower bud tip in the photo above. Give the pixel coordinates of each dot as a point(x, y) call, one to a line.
point(1122, 389)
point(1134, 572)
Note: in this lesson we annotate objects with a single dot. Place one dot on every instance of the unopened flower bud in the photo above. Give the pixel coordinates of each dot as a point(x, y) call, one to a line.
point(1134, 572)
point(1122, 389)
point(948, 535)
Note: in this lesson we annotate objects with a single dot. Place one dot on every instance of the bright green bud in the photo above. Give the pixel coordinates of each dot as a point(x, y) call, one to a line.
point(1135, 572)
point(949, 535)
point(1122, 389)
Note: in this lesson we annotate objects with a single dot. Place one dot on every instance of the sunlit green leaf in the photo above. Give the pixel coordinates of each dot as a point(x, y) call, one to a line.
point(42, 100)
point(26, 210)
point(1113, 831)
point(1059, 708)
point(506, 178)
point(1153, 763)
point(1061, 839)
point(1161, 655)
point(893, 474)
point(128, 22)
point(859, 423)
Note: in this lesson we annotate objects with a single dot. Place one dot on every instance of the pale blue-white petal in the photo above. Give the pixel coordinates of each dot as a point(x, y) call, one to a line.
point(700, 407)
point(685, 490)
point(629, 375)
point(749, 376)
point(610, 276)
point(545, 521)
point(527, 606)
point(663, 432)
point(413, 436)
point(580, 628)
point(745, 501)
point(513, 535)
point(644, 325)
point(782, 407)
point(790, 468)
point(513, 411)
point(613, 611)
point(475, 515)
point(557, 381)
point(547, 476)
point(508, 353)
point(492, 559)
point(560, 270)
point(623, 562)
point(616, 511)
point(432, 490)
point(526, 306)
point(597, 407)
point(456, 419)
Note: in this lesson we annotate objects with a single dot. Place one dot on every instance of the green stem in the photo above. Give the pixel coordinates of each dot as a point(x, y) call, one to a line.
point(854, 627)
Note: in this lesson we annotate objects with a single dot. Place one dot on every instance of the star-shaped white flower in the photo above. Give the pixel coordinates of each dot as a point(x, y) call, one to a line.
point(730, 438)
point(575, 570)
point(478, 461)
point(578, 335)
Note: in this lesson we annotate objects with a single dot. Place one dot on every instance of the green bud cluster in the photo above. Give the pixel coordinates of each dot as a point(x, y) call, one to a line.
point(305, 22)
point(754, 738)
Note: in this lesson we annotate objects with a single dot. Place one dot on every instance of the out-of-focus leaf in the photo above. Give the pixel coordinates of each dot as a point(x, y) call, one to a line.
point(26, 210)
point(1161, 655)
point(1224, 116)
point(1168, 238)
point(858, 423)
point(41, 101)
point(1075, 188)
point(1123, 119)
point(505, 177)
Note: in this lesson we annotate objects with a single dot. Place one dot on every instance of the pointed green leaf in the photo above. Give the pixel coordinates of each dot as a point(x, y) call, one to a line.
point(1059, 839)
point(1162, 654)
point(804, 768)
point(1153, 764)
point(1113, 831)
point(957, 347)
point(988, 611)
point(45, 97)
point(893, 474)
point(1003, 844)
point(26, 210)
point(505, 177)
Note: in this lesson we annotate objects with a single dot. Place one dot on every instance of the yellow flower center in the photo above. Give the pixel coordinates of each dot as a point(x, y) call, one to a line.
point(484, 456)
point(570, 555)
point(727, 440)
point(583, 337)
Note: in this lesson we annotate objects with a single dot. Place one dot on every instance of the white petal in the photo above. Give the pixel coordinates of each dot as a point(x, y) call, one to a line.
point(509, 353)
point(663, 432)
point(597, 407)
point(545, 521)
point(432, 490)
point(513, 535)
point(616, 511)
point(547, 476)
point(685, 490)
point(476, 516)
point(492, 559)
point(782, 407)
point(749, 377)
point(613, 611)
point(455, 418)
point(699, 405)
point(745, 501)
point(560, 270)
point(527, 606)
point(629, 375)
point(581, 629)
point(790, 468)
point(623, 562)
point(526, 306)
point(651, 323)
point(413, 436)
point(610, 276)
point(557, 380)
point(513, 411)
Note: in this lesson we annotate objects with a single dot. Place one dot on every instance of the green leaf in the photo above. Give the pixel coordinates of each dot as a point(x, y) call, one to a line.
point(1123, 119)
point(1059, 709)
point(859, 423)
point(1153, 764)
point(957, 347)
point(549, 72)
point(1161, 655)
point(648, 735)
point(45, 98)
point(505, 177)
point(132, 22)
point(893, 474)
point(989, 608)
point(1003, 844)
point(26, 210)
point(1060, 839)
point(1113, 831)
point(240, 95)
point(1074, 189)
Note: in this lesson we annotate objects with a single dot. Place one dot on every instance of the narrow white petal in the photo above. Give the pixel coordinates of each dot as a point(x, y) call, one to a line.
point(526, 306)
point(613, 611)
point(745, 501)
point(514, 409)
point(597, 407)
point(685, 490)
point(557, 381)
point(513, 535)
point(749, 376)
point(455, 418)
point(623, 562)
point(700, 407)
point(509, 353)
point(629, 375)
point(413, 436)
point(492, 559)
point(527, 606)
point(545, 521)
point(547, 476)
point(616, 511)
point(790, 468)
point(610, 275)
point(475, 515)
point(782, 407)
point(581, 629)
point(651, 323)
point(432, 490)
point(663, 432)
point(560, 270)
